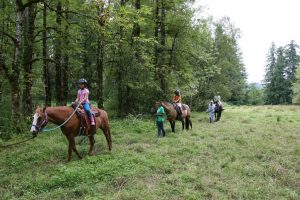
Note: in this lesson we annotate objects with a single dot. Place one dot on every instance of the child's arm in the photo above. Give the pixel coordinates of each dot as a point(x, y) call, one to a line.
point(77, 98)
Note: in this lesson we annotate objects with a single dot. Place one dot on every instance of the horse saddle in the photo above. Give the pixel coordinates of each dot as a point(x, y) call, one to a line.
point(177, 108)
point(85, 126)
point(179, 111)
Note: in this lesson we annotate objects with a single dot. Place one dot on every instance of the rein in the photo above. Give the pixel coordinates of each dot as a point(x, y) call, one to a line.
point(13, 144)
point(52, 129)
point(44, 123)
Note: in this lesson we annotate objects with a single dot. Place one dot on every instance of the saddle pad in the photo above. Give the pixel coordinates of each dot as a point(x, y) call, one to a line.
point(80, 112)
point(95, 112)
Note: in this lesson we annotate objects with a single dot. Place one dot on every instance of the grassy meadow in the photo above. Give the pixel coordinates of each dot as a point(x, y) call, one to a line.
point(252, 153)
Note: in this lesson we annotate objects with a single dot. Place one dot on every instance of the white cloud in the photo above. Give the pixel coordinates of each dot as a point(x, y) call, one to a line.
point(261, 22)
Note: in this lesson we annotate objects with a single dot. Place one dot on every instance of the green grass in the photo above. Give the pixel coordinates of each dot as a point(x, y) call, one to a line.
point(252, 153)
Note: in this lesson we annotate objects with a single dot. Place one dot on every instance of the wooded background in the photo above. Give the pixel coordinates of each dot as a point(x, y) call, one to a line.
point(132, 52)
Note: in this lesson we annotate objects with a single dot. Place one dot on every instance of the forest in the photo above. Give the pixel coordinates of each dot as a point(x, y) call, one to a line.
point(132, 52)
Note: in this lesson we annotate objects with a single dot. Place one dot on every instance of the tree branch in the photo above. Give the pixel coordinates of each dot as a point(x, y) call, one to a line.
point(38, 32)
point(22, 6)
point(60, 14)
point(49, 37)
point(10, 36)
point(32, 2)
point(38, 59)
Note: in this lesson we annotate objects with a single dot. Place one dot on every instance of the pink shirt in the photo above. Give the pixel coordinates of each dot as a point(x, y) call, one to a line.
point(82, 94)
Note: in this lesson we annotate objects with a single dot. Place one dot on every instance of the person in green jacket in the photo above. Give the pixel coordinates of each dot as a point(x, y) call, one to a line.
point(160, 121)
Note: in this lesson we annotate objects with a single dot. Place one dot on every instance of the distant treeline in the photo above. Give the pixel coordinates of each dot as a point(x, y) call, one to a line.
point(281, 82)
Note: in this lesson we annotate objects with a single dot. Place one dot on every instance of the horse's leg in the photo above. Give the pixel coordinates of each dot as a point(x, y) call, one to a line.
point(92, 142)
point(219, 115)
point(107, 134)
point(191, 123)
point(69, 150)
point(73, 146)
point(171, 123)
point(174, 126)
point(182, 123)
point(109, 138)
point(187, 122)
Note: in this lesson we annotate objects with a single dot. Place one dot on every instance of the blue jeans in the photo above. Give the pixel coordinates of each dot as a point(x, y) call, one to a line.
point(86, 107)
point(160, 129)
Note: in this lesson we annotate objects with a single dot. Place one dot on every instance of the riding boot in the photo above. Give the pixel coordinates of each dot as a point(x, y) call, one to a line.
point(92, 121)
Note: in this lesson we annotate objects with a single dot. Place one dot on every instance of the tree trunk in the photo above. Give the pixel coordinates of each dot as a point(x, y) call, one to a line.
point(156, 31)
point(66, 62)
point(14, 78)
point(1, 56)
point(100, 68)
point(29, 18)
point(160, 36)
point(136, 32)
point(162, 24)
point(57, 56)
point(1, 89)
point(120, 72)
point(162, 47)
point(173, 49)
point(47, 82)
point(136, 27)
point(100, 60)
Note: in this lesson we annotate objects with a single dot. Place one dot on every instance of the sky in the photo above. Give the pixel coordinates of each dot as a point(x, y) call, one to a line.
point(261, 22)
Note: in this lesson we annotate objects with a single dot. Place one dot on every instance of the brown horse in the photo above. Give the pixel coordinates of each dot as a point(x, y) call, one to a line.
point(60, 115)
point(172, 114)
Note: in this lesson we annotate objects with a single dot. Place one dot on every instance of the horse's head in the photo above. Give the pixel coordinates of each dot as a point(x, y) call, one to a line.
point(155, 107)
point(40, 120)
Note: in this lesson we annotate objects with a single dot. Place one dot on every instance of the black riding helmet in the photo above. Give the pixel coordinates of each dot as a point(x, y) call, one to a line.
point(82, 81)
point(177, 92)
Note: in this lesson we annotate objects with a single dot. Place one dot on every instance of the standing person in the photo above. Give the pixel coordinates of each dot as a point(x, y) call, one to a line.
point(160, 121)
point(83, 98)
point(177, 100)
point(211, 111)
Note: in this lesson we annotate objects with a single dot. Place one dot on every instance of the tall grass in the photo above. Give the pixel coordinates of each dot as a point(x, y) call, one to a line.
point(249, 154)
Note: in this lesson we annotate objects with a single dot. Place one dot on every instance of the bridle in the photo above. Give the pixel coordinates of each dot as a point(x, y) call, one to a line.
point(43, 124)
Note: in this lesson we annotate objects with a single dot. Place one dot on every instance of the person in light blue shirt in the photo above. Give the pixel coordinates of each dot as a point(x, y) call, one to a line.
point(211, 111)
point(160, 121)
